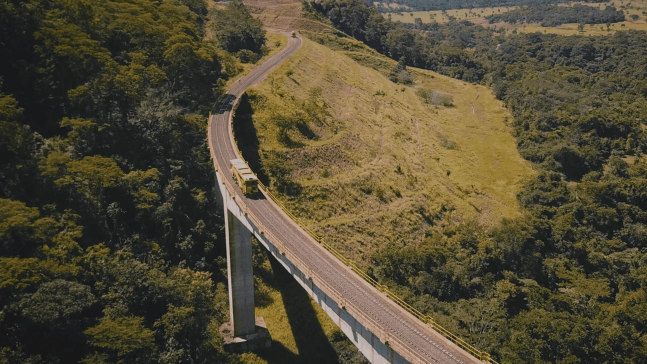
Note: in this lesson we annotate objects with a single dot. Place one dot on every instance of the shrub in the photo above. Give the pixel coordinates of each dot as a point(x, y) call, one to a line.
point(247, 56)
point(411, 180)
point(405, 77)
point(446, 143)
point(446, 100)
point(380, 193)
point(436, 98)
point(325, 172)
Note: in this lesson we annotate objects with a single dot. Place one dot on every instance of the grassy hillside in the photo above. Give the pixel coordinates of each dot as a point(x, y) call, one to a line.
point(365, 161)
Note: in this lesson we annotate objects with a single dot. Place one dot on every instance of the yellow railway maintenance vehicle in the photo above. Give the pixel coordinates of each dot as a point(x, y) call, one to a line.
point(244, 177)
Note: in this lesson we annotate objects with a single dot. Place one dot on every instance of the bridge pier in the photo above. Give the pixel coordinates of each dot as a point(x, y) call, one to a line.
point(220, 200)
point(244, 332)
point(240, 276)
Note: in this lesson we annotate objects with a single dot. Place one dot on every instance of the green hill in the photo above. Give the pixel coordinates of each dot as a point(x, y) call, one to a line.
point(366, 161)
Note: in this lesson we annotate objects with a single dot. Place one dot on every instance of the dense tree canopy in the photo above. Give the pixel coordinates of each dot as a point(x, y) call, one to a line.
point(427, 5)
point(237, 30)
point(108, 228)
point(553, 15)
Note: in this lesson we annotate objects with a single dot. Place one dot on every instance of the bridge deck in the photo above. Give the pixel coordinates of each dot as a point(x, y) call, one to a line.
point(426, 345)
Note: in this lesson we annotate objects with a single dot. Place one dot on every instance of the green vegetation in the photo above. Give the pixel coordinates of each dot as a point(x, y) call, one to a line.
point(553, 15)
point(399, 74)
point(111, 244)
point(238, 31)
point(475, 15)
point(417, 5)
point(108, 235)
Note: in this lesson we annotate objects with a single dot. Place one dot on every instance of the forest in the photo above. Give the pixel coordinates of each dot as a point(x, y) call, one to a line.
point(567, 282)
point(425, 5)
point(553, 15)
point(111, 245)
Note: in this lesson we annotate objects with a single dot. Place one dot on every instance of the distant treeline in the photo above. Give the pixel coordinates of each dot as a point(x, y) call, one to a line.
point(419, 25)
point(553, 15)
point(426, 5)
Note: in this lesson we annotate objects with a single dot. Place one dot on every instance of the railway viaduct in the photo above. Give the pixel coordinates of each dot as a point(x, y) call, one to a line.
point(384, 329)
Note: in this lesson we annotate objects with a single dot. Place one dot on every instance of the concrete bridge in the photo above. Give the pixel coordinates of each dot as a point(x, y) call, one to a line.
point(383, 330)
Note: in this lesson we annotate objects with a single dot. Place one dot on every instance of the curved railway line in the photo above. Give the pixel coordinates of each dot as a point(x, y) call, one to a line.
point(370, 306)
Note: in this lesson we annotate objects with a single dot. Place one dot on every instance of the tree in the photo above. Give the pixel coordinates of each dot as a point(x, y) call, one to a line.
point(236, 29)
point(57, 302)
point(127, 337)
point(21, 230)
point(400, 74)
point(89, 176)
point(70, 58)
point(102, 140)
point(17, 274)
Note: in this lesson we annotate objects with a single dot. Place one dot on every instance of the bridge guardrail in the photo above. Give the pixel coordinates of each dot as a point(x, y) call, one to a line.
point(427, 319)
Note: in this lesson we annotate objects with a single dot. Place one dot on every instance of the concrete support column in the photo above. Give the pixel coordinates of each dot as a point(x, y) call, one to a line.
point(220, 200)
point(240, 276)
